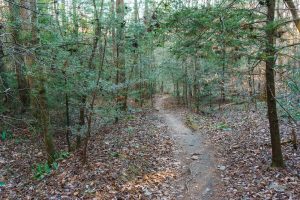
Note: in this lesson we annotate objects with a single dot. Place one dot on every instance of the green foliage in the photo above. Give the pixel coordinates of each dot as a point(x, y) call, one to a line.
point(55, 165)
point(5, 135)
point(62, 155)
point(130, 118)
point(290, 105)
point(115, 154)
point(294, 87)
point(21, 139)
point(194, 50)
point(223, 126)
point(41, 170)
point(129, 130)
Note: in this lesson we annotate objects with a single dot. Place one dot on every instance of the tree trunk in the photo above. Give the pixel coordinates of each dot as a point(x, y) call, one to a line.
point(223, 62)
point(83, 96)
point(177, 91)
point(277, 158)
point(92, 67)
point(75, 19)
point(113, 37)
point(121, 75)
point(3, 80)
point(294, 11)
point(41, 105)
point(23, 87)
point(44, 122)
point(63, 16)
point(135, 47)
point(68, 131)
point(92, 104)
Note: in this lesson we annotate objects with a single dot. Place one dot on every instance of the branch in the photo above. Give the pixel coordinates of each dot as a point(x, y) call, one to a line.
point(290, 4)
point(285, 110)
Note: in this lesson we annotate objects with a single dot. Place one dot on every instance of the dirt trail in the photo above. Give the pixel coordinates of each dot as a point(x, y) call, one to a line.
point(196, 159)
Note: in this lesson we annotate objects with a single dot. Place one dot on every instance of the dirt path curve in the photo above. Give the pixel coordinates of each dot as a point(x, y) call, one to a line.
point(196, 159)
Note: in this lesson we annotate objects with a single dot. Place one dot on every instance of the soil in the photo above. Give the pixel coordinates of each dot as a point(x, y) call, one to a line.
point(196, 158)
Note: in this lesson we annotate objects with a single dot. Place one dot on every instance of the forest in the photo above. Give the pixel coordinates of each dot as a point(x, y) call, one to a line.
point(150, 99)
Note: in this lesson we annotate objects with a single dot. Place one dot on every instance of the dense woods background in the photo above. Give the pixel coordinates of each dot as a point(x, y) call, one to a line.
point(68, 68)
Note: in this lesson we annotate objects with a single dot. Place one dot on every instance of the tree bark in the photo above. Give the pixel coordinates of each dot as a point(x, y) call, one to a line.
point(223, 62)
point(277, 158)
point(40, 103)
point(120, 37)
point(23, 87)
point(3, 80)
point(293, 9)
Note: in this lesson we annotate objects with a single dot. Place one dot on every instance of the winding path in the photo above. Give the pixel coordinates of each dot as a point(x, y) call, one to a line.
point(196, 159)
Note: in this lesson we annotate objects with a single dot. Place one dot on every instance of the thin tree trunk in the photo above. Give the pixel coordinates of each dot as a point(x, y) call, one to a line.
point(91, 108)
point(3, 80)
point(63, 16)
point(68, 131)
point(177, 91)
point(223, 62)
point(121, 75)
point(23, 87)
point(186, 102)
point(136, 47)
point(294, 11)
point(41, 100)
point(83, 97)
point(62, 29)
point(75, 19)
point(277, 158)
point(91, 66)
point(113, 38)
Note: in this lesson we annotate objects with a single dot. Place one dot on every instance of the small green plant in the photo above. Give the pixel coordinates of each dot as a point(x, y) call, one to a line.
point(223, 126)
point(130, 117)
point(20, 139)
point(129, 130)
point(62, 155)
point(5, 135)
point(115, 154)
point(43, 169)
point(55, 165)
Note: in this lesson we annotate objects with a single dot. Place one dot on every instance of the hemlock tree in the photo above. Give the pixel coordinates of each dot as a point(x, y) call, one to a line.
point(277, 158)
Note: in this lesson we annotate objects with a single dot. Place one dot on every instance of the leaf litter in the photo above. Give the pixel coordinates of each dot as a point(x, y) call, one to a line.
point(129, 160)
point(134, 159)
point(242, 142)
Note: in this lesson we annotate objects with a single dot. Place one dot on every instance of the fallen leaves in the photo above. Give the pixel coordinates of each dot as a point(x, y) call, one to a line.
point(240, 139)
point(134, 160)
point(130, 160)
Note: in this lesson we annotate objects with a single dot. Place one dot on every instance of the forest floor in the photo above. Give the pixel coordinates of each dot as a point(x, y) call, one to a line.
point(241, 142)
point(167, 153)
